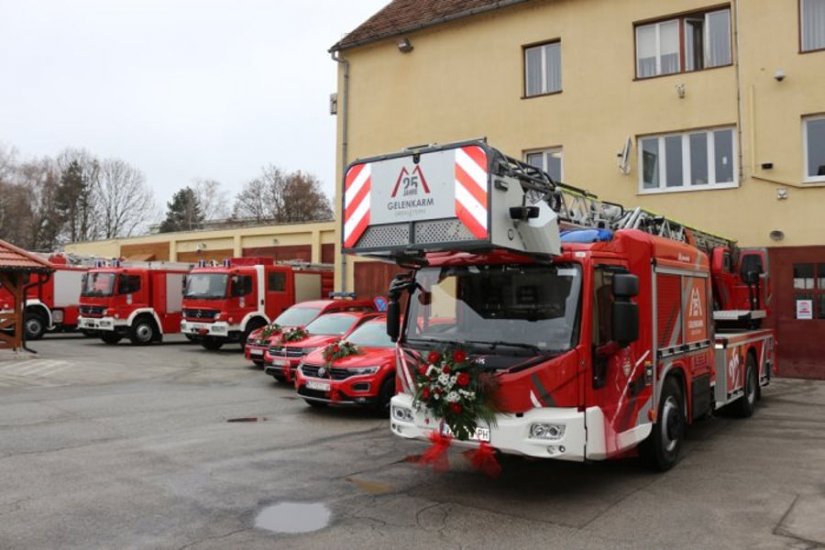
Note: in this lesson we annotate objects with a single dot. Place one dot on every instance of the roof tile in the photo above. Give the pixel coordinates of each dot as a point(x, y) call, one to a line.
point(402, 16)
point(17, 259)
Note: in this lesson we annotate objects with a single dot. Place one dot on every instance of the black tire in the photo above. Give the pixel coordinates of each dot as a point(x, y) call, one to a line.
point(744, 406)
point(251, 327)
point(212, 344)
point(110, 338)
point(660, 451)
point(258, 364)
point(143, 332)
point(34, 325)
point(190, 337)
point(280, 378)
point(387, 392)
point(315, 404)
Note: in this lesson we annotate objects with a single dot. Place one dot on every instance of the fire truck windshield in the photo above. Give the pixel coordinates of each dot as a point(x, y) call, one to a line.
point(500, 308)
point(206, 286)
point(98, 284)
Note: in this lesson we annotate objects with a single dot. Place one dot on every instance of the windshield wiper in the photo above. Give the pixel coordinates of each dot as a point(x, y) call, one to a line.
point(500, 343)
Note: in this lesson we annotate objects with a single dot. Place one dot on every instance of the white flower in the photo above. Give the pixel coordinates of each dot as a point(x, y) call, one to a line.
point(436, 396)
point(444, 379)
point(452, 397)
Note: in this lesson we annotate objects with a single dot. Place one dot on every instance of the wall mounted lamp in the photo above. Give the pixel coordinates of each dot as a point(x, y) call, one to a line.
point(404, 45)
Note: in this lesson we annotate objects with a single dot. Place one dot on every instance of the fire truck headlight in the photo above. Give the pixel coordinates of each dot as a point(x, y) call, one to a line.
point(218, 316)
point(403, 414)
point(546, 431)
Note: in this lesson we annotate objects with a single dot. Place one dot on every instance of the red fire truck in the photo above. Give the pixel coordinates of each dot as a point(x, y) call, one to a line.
point(139, 300)
point(224, 303)
point(53, 304)
point(593, 326)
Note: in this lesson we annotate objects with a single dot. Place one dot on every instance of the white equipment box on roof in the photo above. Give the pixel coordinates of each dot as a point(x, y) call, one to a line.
point(451, 197)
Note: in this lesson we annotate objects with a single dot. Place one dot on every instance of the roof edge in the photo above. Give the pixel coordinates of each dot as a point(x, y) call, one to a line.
point(337, 47)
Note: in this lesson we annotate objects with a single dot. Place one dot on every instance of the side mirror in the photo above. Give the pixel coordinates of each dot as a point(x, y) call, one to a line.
point(625, 324)
point(625, 285)
point(393, 319)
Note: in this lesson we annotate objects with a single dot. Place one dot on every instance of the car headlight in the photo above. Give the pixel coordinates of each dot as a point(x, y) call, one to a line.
point(546, 431)
point(403, 414)
point(364, 370)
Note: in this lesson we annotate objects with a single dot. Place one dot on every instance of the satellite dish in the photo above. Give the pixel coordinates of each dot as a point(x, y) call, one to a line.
point(624, 156)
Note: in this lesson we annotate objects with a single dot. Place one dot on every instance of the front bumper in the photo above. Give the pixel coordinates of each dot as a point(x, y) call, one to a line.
point(583, 437)
point(281, 366)
point(254, 352)
point(218, 329)
point(356, 391)
point(101, 323)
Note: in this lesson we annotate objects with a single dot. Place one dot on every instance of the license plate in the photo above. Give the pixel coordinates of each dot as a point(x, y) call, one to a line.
point(481, 433)
point(280, 362)
point(197, 327)
point(320, 386)
point(254, 351)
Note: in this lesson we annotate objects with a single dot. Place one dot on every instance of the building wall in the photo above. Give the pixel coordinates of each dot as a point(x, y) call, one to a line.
point(308, 242)
point(465, 80)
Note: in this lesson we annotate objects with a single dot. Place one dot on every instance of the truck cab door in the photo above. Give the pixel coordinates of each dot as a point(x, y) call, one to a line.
point(278, 291)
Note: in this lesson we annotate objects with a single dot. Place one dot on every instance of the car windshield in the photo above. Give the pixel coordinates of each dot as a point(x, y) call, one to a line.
point(98, 284)
point(497, 307)
point(371, 335)
point(297, 316)
point(206, 286)
point(333, 324)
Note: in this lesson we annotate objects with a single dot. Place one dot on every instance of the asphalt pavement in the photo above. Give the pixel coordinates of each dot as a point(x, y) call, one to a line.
point(172, 446)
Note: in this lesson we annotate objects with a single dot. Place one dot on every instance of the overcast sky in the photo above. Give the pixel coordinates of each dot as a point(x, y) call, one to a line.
point(180, 89)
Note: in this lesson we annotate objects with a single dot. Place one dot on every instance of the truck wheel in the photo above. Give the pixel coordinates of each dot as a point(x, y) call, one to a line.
point(382, 404)
point(660, 451)
point(212, 344)
point(744, 406)
point(34, 325)
point(143, 331)
point(110, 337)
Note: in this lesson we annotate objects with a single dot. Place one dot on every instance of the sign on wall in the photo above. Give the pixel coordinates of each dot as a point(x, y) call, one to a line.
point(804, 309)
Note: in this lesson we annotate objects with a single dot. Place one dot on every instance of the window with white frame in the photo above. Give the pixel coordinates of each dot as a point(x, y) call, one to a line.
point(549, 160)
point(813, 136)
point(542, 69)
point(681, 44)
point(812, 19)
point(698, 159)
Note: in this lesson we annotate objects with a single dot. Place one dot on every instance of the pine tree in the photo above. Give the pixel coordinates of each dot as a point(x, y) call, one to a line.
point(183, 212)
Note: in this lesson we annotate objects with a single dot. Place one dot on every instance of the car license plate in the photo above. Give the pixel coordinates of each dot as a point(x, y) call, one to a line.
point(280, 362)
point(194, 327)
point(320, 386)
point(254, 351)
point(481, 433)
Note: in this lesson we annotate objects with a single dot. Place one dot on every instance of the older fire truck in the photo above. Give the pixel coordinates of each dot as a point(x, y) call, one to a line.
point(52, 303)
point(226, 302)
point(605, 329)
point(138, 300)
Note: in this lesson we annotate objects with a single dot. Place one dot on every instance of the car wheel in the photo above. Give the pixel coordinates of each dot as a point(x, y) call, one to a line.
point(387, 392)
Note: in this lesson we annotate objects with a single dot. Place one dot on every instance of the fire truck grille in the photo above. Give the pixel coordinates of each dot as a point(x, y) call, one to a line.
point(200, 314)
point(279, 351)
point(385, 235)
point(336, 374)
point(92, 311)
point(442, 231)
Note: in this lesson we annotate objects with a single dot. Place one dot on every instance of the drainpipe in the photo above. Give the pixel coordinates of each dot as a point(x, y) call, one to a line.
point(739, 105)
point(41, 280)
point(343, 110)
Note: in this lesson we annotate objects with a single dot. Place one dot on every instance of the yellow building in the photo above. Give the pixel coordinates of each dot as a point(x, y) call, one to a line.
point(306, 242)
point(720, 108)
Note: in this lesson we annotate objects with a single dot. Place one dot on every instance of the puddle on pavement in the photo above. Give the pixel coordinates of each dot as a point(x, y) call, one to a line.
point(293, 517)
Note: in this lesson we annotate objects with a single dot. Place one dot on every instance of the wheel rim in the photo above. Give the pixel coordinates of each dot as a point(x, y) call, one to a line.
point(33, 326)
point(671, 424)
point(144, 333)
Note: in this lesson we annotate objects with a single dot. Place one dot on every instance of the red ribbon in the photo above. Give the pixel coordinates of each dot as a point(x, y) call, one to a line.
point(436, 454)
point(484, 459)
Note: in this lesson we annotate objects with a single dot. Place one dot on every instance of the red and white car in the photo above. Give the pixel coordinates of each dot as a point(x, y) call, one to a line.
point(281, 359)
point(366, 379)
point(299, 315)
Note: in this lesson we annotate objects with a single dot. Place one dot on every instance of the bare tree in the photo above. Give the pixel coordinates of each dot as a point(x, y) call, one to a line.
point(124, 201)
point(282, 198)
point(212, 199)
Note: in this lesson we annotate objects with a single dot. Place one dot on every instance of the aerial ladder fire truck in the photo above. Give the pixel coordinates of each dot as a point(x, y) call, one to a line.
point(606, 330)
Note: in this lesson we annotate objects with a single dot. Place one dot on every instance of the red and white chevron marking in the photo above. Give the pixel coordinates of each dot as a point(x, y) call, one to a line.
point(471, 189)
point(356, 203)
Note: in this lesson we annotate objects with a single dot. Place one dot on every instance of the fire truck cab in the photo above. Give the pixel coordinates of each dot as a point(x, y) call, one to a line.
point(225, 302)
